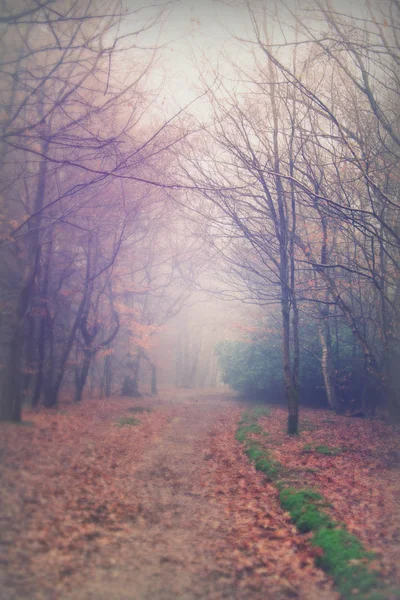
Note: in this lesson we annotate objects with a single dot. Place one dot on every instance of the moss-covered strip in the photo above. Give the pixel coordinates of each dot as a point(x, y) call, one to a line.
point(304, 507)
point(341, 553)
point(347, 561)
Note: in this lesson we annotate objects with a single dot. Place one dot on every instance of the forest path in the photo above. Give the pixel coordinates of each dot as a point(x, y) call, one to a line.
point(206, 525)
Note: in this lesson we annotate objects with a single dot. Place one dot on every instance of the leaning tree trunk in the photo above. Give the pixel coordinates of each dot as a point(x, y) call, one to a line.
point(324, 330)
point(327, 359)
point(372, 369)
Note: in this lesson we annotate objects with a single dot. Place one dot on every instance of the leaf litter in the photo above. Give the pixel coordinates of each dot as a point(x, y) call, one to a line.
point(361, 482)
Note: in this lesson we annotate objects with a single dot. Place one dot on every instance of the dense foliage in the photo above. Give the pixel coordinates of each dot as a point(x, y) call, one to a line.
point(253, 366)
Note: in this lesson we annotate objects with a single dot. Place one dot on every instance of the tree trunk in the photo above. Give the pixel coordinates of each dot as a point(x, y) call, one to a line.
point(49, 369)
point(40, 366)
point(92, 376)
point(153, 379)
point(11, 396)
point(12, 408)
point(130, 386)
point(51, 398)
point(44, 322)
point(29, 344)
point(281, 225)
point(107, 375)
point(290, 393)
point(82, 376)
point(390, 361)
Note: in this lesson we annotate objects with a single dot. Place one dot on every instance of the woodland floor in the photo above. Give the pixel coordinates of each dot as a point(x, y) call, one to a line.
point(167, 508)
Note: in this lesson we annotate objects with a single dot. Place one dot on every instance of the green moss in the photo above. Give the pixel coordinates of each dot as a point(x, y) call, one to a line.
point(294, 498)
point(138, 409)
point(304, 508)
point(247, 417)
point(328, 450)
point(271, 468)
point(122, 421)
point(258, 455)
point(312, 519)
point(323, 449)
point(346, 560)
point(253, 451)
point(244, 430)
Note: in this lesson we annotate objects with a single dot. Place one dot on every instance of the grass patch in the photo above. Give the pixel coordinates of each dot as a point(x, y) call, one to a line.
point(341, 554)
point(123, 421)
point(139, 409)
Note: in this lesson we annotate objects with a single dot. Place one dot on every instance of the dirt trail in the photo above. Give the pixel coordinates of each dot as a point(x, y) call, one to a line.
point(187, 539)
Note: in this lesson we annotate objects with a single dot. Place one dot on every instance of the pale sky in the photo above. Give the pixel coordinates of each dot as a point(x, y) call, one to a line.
point(198, 29)
point(193, 29)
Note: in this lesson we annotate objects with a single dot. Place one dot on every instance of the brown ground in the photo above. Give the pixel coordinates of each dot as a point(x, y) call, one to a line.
point(167, 509)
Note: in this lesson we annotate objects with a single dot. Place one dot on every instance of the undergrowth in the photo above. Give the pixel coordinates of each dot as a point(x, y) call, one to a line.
point(341, 554)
